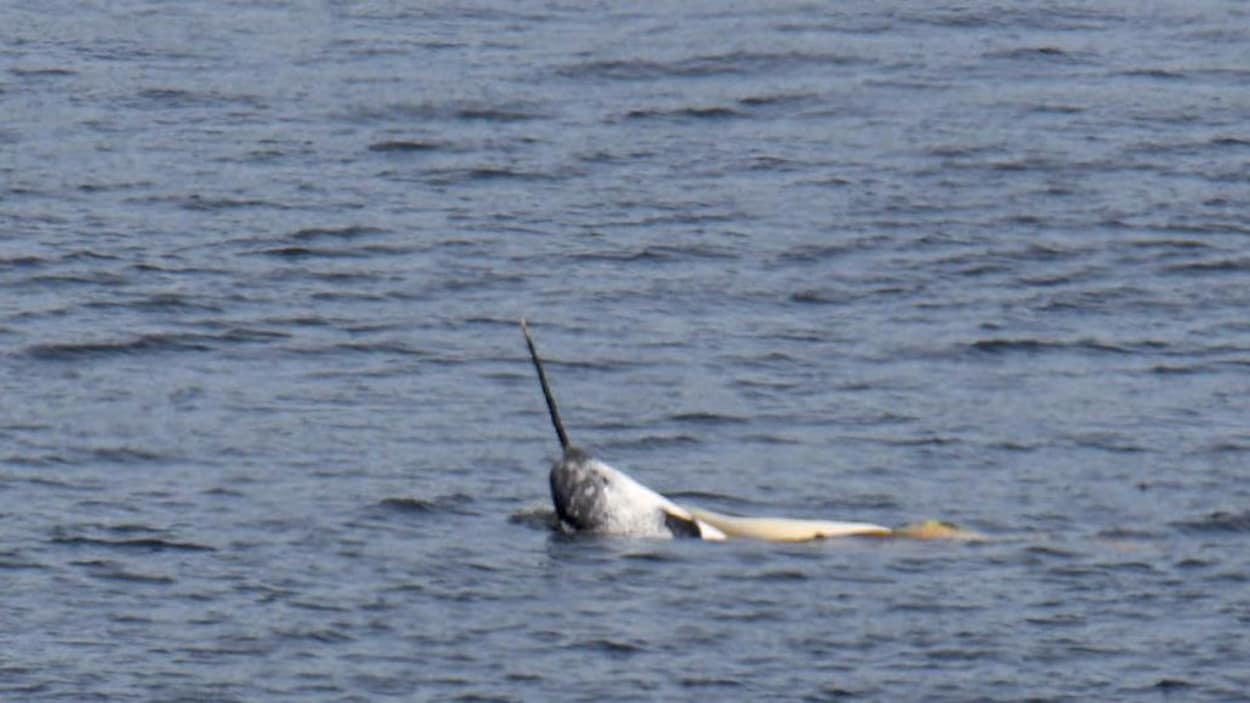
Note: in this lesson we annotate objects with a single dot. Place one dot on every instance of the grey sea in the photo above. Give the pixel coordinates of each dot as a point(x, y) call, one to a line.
point(268, 430)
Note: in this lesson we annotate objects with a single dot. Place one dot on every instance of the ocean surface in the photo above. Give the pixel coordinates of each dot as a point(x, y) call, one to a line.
point(268, 430)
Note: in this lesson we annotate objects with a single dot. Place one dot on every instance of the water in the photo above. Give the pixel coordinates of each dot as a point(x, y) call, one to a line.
point(269, 431)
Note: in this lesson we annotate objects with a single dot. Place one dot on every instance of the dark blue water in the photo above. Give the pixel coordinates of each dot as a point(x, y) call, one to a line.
point(268, 431)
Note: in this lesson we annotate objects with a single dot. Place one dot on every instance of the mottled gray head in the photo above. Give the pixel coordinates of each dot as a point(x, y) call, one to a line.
point(578, 491)
point(591, 496)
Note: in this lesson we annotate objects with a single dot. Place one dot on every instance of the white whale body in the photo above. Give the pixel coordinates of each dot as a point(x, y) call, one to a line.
point(591, 496)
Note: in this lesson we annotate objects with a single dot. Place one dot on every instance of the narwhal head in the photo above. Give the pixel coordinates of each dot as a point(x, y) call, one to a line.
point(591, 496)
point(579, 490)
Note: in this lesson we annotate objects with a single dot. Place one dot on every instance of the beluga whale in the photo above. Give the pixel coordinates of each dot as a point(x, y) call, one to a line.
point(593, 497)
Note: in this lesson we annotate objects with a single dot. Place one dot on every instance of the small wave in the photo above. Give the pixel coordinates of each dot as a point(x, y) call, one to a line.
point(202, 203)
point(130, 529)
point(324, 635)
point(765, 359)
point(21, 261)
point(453, 504)
point(655, 254)
point(93, 278)
point(777, 99)
point(145, 344)
point(1179, 370)
point(125, 455)
point(815, 253)
point(112, 572)
point(610, 647)
point(495, 114)
point(491, 173)
point(642, 255)
point(1217, 521)
point(473, 110)
point(1126, 534)
point(1178, 245)
point(737, 62)
point(782, 575)
point(1225, 142)
point(40, 461)
point(348, 232)
point(1024, 164)
point(1234, 265)
point(303, 252)
point(1058, 620)
point(169, 94)
point(14, 561)
point(928, 441)
point(774, 164)
point(1038, 53)
point(305, 604)
point(1000, 346)
point(759, 612)
point(1203, 227)
point(145, 544)
point(1034, 346)
point(175, 97)
point(701, 113)
point(246, 335)
point(649, 441)
point(163, 302)
point(1056, 109)
point(771, 439)
point(1154, 73)
point(41, 71)
point(181, 98)
point(1228, 446)
point(486, 174)
point(708, 418)
point(1107, 441)
point(616, 70)
point(404, 147)
point(1130, 566)
point(653, 557)
point(824, 296)
point(1015, 446)
point(390, 348)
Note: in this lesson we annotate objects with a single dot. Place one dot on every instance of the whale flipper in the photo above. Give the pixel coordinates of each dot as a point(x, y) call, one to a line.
point(683, 526)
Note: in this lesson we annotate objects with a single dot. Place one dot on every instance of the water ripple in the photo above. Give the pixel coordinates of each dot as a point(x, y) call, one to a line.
point(267, 413)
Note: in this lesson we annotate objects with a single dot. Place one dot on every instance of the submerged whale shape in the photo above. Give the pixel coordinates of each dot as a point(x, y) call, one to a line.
point(591, 496)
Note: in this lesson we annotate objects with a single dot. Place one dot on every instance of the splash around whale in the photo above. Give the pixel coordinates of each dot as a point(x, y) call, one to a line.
point(592, 497)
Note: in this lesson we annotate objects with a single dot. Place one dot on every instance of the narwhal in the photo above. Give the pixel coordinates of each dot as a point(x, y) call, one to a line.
point(591, 496)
